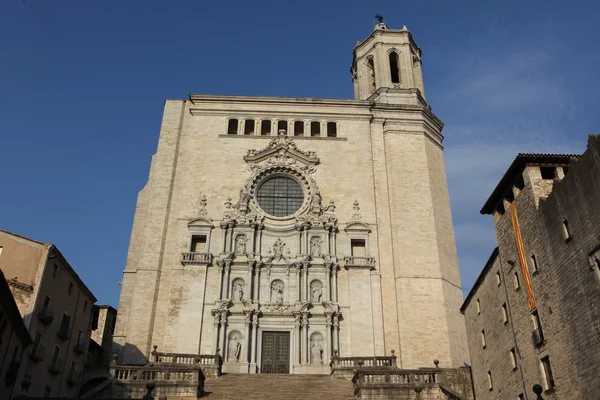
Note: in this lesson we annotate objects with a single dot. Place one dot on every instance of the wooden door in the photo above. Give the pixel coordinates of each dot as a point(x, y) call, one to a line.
point(275, 357)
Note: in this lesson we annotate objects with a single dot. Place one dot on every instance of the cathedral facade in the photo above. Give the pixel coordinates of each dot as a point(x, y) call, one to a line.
point(282, 232)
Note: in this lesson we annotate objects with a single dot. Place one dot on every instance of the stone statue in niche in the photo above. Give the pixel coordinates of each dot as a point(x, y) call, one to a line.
point(315, 246)
point(316, 292)
point(235, 348)
point(238, 290)
point(277, 292)
point(240, 245)
point(316, 351)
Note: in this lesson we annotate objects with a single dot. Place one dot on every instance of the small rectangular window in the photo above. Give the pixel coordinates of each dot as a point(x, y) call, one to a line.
point(55, 357)
point(70, 290)
point(198, 244)
point(548, 172)
point(504, 313)
point(249, 127)
point(547, 372)
point(358, 248)
point(483, 342)
point(331, 129)
point(63, 329)
point(79, 334)
point(534, 264)
point(490, 383)
point(299, 128)
point(566, 231)
point(47, 391)
point(282, 126)
point(513, 358)
point(516, 282)
point(315, 128)
point(46, 304)
point(85, 305)
point(54, 270)
point(478, 307)
point(232, 127)
point(265, 127)
point(25, 390)
point(498, 279)
point(72, 369)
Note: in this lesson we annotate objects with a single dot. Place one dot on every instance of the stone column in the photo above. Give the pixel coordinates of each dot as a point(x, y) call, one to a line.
point(306, 249)
point(299, 230)
point(224, 227)
point(254, 341)
point(221, 265)
point(256, 294)
point(230, 225)
point(216, 324)
point(224, 332)
point(328, 240)
point(260, 231)
point(305, 266)
point(248, 321)
point(334, 268)
point(298, 343)
point(335, 230)
point(253, 238)
point(328, 267)
point(336, 338)
point(328, 350)
point(228, 267)
point(305, 340)
point(298, 281)
point(250, 285)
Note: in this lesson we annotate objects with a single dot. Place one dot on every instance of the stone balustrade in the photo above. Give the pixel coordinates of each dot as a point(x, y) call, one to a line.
point(196, 258)
point(343, 367)
point(209, 363)
point(359, 262)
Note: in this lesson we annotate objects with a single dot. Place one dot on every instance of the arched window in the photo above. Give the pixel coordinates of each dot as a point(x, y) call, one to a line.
point(282, 125)
point(371, 66)
point(315, 128)
point(265, 127)
point(299, 128)
point(394, 67)
point(249, 127)
point(232, 127)
point(331, 129)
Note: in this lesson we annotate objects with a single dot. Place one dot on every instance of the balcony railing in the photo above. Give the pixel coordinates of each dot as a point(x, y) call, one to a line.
point(359, 262)
point(56, 366)
point(209, 363)
point(46, 315)
point(196, 258)
point(37, 352)
point(345, 366)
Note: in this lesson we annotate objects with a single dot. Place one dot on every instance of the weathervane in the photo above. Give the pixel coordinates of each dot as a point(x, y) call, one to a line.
point(379, 18)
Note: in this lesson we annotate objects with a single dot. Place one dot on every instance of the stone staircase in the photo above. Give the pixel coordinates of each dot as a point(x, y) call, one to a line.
point(278, 387)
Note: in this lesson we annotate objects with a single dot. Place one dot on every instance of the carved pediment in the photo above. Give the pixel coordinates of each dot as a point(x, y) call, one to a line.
point(357, 227)
point(282, 150)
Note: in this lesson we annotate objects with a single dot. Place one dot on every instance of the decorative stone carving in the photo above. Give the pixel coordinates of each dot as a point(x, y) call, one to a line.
point(316, 348)
point(316, 292)
point(279, 307)
point(315, 246)
point(201, 208)
point(240, 244)
point(356, 216)
point(238, 289)
point(278, 252)
point(277, 291)
point(235, 347)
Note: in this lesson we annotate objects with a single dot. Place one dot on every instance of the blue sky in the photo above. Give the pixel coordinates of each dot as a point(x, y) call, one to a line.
point(82, 85)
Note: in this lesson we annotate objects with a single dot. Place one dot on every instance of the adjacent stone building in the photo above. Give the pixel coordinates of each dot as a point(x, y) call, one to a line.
point(56, 307)
point(281, 231)
point(533, 316)
point(14, 339)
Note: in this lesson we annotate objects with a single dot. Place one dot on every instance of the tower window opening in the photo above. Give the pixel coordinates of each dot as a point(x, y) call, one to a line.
point(331, 129)
point(394, 71)
point(548, 172)
point(249, 127)
point(232, 127)
point(315, 128)
point(265, 127)
point(198, 244)
point(282, 125)
point(299, 128)
point(371, 66)
point(358, 248)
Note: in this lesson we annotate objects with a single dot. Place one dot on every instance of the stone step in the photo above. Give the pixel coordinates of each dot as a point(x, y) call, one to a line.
point(278, 387)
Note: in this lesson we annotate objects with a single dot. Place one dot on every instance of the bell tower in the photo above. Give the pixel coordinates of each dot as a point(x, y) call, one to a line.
point(388, 58)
